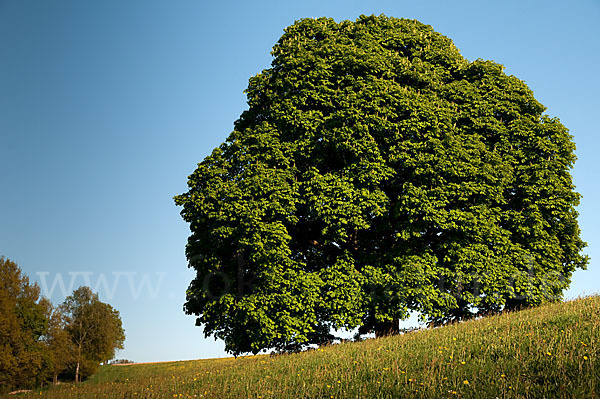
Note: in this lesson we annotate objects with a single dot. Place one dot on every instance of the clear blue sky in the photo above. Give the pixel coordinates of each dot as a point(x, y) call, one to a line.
point(106, 107)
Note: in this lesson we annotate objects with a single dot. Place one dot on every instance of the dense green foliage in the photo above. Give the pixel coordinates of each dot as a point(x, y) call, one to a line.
point(60, 348)
point(94, 328)
point(547, 352)
point(39, 342)
point(378, 172)
point(23, 321)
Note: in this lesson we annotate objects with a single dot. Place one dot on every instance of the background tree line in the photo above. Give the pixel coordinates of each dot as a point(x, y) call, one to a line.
point(41, 342)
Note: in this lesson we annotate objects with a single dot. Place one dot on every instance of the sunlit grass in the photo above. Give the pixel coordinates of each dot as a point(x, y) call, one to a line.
point(550, 351)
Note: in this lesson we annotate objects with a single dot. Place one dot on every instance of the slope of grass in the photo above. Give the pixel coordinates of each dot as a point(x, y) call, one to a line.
point(550, 351)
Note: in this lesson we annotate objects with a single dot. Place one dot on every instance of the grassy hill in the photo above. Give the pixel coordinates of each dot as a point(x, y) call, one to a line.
point(550, 351)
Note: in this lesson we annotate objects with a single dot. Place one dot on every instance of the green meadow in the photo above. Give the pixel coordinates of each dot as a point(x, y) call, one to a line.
point(546, 352)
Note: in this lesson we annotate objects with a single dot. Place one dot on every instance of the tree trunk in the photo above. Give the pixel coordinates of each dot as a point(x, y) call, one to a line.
point(515, 304)
point(55, 379)
point(387, 328)
point(78, 361)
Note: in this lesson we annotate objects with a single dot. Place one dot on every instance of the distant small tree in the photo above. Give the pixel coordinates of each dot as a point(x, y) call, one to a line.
point(60, 348)
point(22, 323)
point(94, 328)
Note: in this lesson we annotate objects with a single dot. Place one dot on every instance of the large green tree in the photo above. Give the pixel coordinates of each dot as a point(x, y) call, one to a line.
point(378, 172)
point(94, 328)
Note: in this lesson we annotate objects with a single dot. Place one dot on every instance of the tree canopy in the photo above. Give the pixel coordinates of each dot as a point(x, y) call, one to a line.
point(377, 172)
point(95, 330)
point(22, 323)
